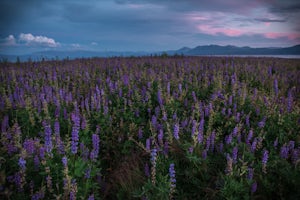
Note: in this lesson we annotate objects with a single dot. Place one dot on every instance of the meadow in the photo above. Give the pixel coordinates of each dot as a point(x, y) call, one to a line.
point(150, 128)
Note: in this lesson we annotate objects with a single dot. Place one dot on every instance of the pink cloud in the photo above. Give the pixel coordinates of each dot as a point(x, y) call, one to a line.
point(214, 31)
point(274, 35)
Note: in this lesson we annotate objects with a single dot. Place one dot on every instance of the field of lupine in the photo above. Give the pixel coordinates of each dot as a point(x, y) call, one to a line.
point(150, 128)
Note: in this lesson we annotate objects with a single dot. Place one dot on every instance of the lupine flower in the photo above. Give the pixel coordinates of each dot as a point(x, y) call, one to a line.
point(22, 163)
point(160, 136)
point(284, 152)
point(91, 197)
point(291, 145)
point(172, 175)
point(248, 120)
point(253, 187)
point(290, 101)
point(295, 155)
point(56, 127)
point(176, 131)
point(265, 160)
point(140, 134)
point(65, 161)
point(87, 173)
point(249, 137)
point(153, 162)
point(276, 87)
point(229, 164)
point(75, 133)
point(253, 146)
point(154, 121)
point(228, 139)
point(250, 173)
point(29, 146)
point(48, 139)
point(234, 154)
point(262, 123)
point(148, 144)
point(275, 144)
point(36, 162)
point(95, 150)
point(235, 131)
point(194, 124)
point(166, 148)
point(159, 98)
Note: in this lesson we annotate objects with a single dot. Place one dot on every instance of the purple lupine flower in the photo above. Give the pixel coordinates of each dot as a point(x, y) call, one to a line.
point(250, 173)
point(165, 116)
point(154, 121)
point(176, 131)
point(148, 144)
point(220, 147)
point(38, 195)
point(265, 157)
point(87, 173)
point(275, 144)
point(166, 148)
point(237, 117)
point(140, 134)
point(22, 163)
point(168, 88)
point(180, 88)
point(253, 145)
point(42, 153)
point(174, 116)
point(230, 100)
point(234, 154)
point(36, 162)
point(228, 139)
point(153, 156)
point(248, 120)
point(212, 140)
point(295, 155)
point(56, 127)
point(228, 169)
point(249, 137)
point(194, 96)
point(96, 142)
point(291, 145)
point(284, 152)
point(194, 124)
point(191, 149)
point(172, 175)
point(262, 123)
point(276, 87)
point(235, 131)
point(91, 197)
point(75, 133)
point(159, 98)
point(208, 141)
point(229, 113)
point(48, 137)
point(253, 187)
point(160, 136)
point(29, 146)
point(64, 161)
point(290, 101)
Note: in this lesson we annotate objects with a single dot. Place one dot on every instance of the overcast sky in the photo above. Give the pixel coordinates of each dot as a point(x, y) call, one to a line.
point(148, 25)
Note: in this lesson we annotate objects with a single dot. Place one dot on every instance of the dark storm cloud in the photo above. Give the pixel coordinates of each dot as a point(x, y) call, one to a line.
point(270, 20)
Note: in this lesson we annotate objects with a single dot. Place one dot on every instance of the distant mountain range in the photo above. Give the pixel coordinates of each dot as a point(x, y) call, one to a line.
point(199, 50)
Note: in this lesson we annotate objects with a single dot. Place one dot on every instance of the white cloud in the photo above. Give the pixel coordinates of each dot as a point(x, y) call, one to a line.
point(30, 39)
point(8, 41)
point(94, 43)
point(76, 46)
